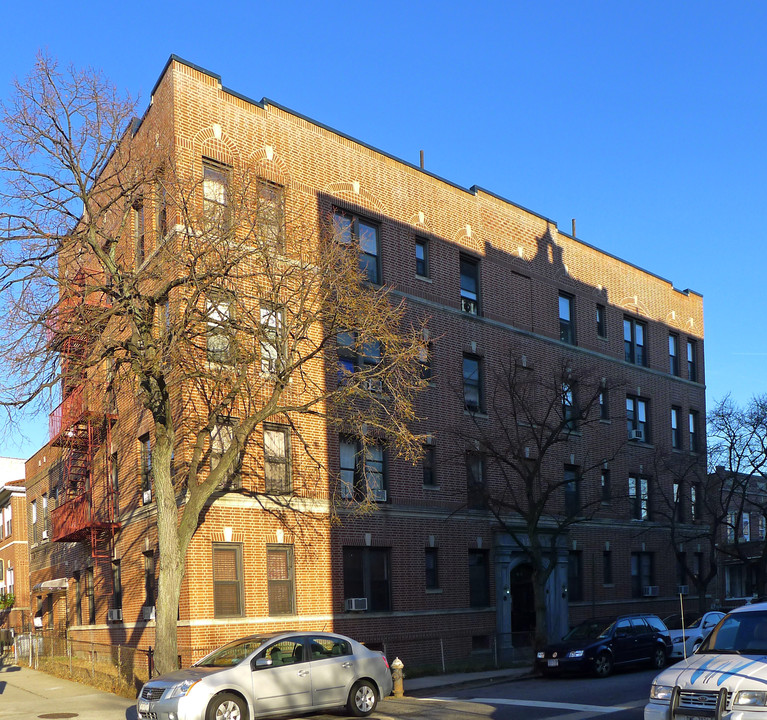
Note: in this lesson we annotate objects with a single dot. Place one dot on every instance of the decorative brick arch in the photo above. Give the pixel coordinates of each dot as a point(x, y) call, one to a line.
point(635, 305)
point(466, 237)
point(214, 143)
point(267, 163)
point(420, 221)
point(355, 194)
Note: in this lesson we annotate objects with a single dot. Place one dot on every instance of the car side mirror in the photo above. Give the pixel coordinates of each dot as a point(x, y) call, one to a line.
point(261, 663)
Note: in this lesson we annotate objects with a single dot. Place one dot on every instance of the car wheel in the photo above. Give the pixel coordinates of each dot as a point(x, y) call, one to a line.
point(603, 665)
point(363, 699)
point(227, 707)
point(659, 658)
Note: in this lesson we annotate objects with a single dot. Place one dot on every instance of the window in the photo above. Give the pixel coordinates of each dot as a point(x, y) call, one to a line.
point(2, 576)
point(601, 322)
point(363, 474)
point(33, 507)
point(425, 354)
point(607, 567)
point(641, 573)
point(8, 522)
point(676, 438)
point(731, 522)
point(639, 500)
point(90, 594)
point(227, 580)
point(678, 502)
point(693, 425)
point(572, 490)
point(637, 419)
point(428, 465)
point(472, 383)
point(272, 349)
point(760, 527)
point(575, 576)
point(221, 439)
point(604, 404)
point(354, 355)
point(145, 467)
point(692, 364)
point(215, 190)
point(138, 232)
point(277, 475)
point(431, 568)
point(604, 486)
point(352, 229)
point(367, 575)
point(476, 489)
point(149, 578)
point(44, 499)
point(117, 586)
point(281, 584)
point(479, 578)
point(673, 354)
point(695, 499)
point(634, 341)
point(566, 318)
point(469, 285)
point(422, 257)
point(270, 213)
point(220, 307)
point(115, 480)
point(569, 408)
point(161, 209)
point(745, 528)
point(78, 598)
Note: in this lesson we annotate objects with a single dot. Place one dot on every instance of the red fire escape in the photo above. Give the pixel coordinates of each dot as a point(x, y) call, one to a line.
point(82, 427)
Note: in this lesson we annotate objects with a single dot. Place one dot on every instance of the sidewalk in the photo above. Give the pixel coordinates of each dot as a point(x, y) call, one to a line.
point(27, 694)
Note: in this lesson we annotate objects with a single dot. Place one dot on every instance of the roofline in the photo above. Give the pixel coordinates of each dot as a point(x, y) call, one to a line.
point(473, 190)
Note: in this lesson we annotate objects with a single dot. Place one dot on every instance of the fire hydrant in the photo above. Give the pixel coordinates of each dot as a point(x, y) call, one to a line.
point(397, 676)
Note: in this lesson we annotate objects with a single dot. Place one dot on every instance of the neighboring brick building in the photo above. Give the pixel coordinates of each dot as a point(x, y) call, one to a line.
point(14, 553)
point(496, 282)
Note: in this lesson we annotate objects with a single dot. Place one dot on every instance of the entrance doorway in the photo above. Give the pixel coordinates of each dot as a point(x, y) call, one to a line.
point(522, 605)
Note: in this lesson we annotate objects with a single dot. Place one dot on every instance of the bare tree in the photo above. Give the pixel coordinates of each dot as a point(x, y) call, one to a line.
point(518, 449)
point(129, 281)
point(738, 464)
point(690, 508)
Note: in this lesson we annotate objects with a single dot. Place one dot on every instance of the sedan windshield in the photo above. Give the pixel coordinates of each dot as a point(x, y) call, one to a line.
point(741, 632)
point(590, 630)
point(231, 654)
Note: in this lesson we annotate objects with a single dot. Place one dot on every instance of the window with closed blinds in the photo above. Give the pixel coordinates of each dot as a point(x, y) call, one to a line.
point(227, 580)
point(279, 573)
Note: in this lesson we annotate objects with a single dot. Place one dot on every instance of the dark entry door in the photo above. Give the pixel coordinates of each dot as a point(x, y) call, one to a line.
point(522, 605)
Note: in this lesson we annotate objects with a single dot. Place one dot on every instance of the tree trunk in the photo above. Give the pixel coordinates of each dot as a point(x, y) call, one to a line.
point(172, 563)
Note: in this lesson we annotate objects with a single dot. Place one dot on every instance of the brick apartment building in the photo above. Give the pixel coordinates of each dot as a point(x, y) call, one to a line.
point(497, 283)
point(14, 553)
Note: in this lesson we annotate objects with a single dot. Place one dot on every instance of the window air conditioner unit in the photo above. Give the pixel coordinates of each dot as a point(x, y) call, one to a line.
point(115, 615)
point(356, 604)
point(45, 534)
point(378, 495)
point(683, 589)
point(650, 591)
point(637, 435)
point(148, 612)
point(374, 385)
point(147, 497)
point(469, 306)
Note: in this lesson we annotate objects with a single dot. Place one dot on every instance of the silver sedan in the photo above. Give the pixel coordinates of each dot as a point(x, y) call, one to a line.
point(271, 674)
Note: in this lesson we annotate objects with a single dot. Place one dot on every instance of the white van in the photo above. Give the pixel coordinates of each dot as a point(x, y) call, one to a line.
point(725, 679)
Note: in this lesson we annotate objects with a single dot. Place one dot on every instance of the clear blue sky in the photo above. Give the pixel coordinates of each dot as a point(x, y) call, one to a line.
point(642, 120)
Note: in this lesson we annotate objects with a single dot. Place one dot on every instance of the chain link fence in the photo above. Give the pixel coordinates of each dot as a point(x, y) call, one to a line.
point(120, 669)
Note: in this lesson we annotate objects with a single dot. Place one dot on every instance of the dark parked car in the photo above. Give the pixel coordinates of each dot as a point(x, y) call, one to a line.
point(597, 646)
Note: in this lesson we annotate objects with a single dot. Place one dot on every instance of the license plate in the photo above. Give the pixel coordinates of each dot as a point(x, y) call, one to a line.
point(553, 663)
point(143, 707)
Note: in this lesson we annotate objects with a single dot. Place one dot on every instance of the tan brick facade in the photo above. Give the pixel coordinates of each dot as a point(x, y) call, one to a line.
point(523, 263)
